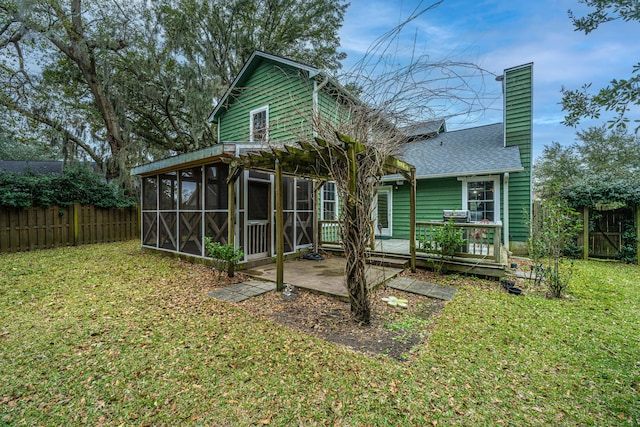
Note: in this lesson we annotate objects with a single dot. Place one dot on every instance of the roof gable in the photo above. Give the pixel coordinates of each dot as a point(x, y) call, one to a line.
point(255, 60)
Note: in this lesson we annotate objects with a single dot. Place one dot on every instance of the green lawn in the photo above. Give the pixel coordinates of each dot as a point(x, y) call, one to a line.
point(105, 334)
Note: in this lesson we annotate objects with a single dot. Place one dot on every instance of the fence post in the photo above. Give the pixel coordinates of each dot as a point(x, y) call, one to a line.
point(76, 223)
point(585, 233)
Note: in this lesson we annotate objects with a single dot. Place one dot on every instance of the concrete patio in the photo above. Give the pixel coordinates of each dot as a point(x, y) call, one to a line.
point(325, 277)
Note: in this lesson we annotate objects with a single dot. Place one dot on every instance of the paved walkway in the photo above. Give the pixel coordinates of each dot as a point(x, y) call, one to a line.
point(422, 288)
point(325, 277)
point(242, 291)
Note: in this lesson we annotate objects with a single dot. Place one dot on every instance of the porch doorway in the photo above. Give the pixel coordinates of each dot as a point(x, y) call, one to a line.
point(258, 224)
point(382, 212)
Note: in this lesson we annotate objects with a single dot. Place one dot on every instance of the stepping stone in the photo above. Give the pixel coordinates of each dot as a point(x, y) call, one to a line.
point(423, 288)
point(401, 283)
point(242, 291)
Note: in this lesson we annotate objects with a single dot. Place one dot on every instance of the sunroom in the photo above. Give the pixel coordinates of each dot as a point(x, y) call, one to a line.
point(187, 197)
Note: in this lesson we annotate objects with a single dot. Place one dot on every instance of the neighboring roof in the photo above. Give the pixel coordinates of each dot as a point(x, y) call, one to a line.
point(425, 129)
point(29, 166)
point(474, 151)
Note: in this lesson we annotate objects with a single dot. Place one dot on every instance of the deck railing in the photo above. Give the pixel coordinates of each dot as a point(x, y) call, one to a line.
point(257, 237)
point(481, 240)
point(329, 232)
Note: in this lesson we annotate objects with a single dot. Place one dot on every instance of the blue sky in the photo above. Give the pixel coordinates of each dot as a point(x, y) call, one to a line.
point(499, 34)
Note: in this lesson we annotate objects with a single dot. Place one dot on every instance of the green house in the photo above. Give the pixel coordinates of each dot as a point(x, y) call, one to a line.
point(274, 101)
point(484, 170)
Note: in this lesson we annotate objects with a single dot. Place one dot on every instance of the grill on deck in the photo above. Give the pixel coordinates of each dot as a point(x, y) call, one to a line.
point(459, 216)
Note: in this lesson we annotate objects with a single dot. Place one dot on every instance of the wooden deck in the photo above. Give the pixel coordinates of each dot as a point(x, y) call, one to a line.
point(399, 249)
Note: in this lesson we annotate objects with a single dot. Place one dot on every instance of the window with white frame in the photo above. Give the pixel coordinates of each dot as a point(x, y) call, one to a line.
point(259, 124)
point(481, 196)
point(329, 211)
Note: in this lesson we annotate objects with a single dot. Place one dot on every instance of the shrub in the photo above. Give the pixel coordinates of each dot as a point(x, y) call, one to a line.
point(78, 183)
point(554, 228)
point(225, 257)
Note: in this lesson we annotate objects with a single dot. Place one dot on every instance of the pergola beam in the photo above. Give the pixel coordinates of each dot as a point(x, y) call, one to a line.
point(306, 162)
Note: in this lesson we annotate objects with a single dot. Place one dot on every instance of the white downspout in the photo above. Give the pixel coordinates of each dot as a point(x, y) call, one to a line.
point(505, 223)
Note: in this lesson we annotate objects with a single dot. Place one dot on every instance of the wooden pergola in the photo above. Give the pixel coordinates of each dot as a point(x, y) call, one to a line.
point(305, 160)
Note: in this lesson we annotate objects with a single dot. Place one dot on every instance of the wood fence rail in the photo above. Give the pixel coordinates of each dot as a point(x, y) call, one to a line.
point(26, 229)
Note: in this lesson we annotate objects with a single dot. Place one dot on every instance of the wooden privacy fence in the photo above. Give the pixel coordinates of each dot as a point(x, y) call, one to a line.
point(32, 228)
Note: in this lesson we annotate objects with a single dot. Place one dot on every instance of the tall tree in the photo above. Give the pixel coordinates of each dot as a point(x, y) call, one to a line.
point(56, 71)
point(598, 153)
point(218, 36)
point(118, 81)
point(621, 94)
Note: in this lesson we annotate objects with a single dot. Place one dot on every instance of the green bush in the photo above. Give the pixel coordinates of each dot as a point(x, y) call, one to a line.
point(225, 257)
point(77, 183)
point(449, 239)
point(554, 228)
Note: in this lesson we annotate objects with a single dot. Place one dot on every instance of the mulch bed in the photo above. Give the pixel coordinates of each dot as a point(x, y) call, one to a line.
point(393, 331)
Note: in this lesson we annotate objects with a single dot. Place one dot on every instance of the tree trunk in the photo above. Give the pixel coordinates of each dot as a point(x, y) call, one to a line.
point(355, 249)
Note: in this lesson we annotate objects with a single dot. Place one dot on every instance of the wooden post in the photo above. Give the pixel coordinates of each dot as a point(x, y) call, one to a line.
point(585, 233)
point(638, 233)
point(497, 244)
point(412, 219)
point(316, 201)
point(231, 207)
point(279, 229)
point(76, 223)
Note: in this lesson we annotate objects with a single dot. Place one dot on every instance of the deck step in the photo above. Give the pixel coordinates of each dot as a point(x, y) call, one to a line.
point(388, 262)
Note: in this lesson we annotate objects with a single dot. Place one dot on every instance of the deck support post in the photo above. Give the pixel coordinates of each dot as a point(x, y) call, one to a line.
point(231, 207)
point(412, 219)
point(279, 228)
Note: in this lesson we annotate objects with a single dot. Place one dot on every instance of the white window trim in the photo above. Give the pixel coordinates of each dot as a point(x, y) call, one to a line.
point(389, 190)
point(335, 201)
point(251, 114)
point(496, 193)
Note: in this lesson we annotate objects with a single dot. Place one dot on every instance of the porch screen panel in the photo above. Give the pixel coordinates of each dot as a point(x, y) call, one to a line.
point(216, 225)
point(167, 238)
point(150, 228)
point(190, 229)
point(304, 228)
point(289, 221)
point(150, 211)
point(168, 215)
point(168, 191)
point(190, 189)
point(216, 196)
point(304, 213)
point(289, 216)
point(216, 203)
point(149, 193)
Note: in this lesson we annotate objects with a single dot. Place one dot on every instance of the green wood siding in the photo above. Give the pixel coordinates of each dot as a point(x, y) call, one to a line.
point(286, 91)
point(330, 108)
point(518, 132)
point(432, 197)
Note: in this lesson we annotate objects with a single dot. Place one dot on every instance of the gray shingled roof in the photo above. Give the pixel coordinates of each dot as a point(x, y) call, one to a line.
point(426, 129)
point(474, 151)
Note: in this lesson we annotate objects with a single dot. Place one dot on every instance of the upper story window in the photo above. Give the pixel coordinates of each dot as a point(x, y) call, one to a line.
point(259, 126)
